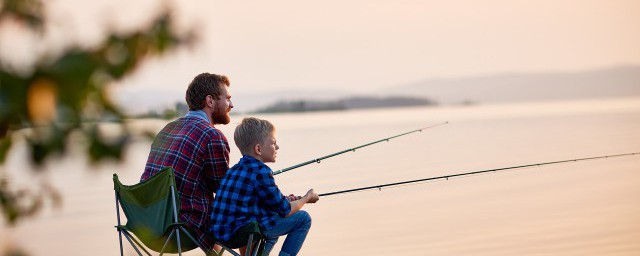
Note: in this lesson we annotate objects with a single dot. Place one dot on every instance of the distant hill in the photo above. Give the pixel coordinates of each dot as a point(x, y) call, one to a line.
point(342, 104)
point(613, 82)
point(510, 87)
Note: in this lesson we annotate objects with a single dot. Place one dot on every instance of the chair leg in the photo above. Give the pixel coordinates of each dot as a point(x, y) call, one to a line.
point(212, 252)
point(167, 242)
point(132, 244)
point(225, 248)
point(258, 247)
point(178, 241)
point(132, 238)
point(175, 218)
point(119, 231)
point(140, 246)
point(120, 239)
point(249, 245)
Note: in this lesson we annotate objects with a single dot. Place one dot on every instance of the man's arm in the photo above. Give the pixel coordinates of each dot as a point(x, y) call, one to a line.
point(217, 159)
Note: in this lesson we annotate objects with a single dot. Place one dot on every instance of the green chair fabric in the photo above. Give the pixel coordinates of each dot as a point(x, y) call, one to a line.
point(149, 208)
point(241, 236)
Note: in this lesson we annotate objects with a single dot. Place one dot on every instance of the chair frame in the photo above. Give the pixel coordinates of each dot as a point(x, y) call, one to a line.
point(176, 228)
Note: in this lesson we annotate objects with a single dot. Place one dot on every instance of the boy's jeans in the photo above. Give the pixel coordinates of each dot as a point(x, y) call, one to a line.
point(295, 227)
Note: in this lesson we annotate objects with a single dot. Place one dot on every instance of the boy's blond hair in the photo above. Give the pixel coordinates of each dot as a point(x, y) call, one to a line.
point(252, 131)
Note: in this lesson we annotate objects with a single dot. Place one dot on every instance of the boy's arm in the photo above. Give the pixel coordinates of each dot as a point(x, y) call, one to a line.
point(310, 197)
point(268, 193)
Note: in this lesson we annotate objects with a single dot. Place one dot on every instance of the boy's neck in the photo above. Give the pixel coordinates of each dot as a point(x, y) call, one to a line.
point(257, 157)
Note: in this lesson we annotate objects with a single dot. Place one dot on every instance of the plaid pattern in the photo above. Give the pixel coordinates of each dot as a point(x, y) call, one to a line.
point(248, 192)
point(199, 154)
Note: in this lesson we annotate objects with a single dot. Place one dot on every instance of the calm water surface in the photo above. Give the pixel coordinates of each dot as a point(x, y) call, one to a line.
point(585, 208)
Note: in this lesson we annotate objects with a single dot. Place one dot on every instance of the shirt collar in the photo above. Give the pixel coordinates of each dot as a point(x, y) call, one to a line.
point(248, 158)
point(198, 114)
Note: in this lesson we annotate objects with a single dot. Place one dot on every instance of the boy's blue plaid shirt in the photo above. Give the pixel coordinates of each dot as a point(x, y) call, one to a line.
point(247, 192)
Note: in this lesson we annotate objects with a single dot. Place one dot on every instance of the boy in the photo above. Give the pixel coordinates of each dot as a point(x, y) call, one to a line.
point(248, 193)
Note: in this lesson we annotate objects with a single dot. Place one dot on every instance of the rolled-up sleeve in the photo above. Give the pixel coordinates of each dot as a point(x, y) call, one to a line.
point(270, 194)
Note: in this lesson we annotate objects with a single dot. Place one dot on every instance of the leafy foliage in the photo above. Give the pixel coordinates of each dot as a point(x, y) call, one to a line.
point(67, 93)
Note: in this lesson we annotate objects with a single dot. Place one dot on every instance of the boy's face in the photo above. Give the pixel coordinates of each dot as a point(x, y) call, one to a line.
point(269, 149)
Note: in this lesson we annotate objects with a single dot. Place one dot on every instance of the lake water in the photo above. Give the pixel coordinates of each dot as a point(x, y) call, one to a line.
point(583, 208)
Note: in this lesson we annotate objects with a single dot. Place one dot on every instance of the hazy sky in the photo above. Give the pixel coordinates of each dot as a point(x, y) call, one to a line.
point(368, 45)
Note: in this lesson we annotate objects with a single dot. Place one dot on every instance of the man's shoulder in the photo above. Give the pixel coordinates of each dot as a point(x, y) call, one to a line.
point(196, 127)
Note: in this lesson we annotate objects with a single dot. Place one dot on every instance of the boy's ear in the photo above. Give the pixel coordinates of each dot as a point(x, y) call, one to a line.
point(257, 149)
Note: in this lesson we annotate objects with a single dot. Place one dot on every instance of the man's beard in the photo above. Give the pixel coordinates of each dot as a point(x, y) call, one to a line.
point(221, 117)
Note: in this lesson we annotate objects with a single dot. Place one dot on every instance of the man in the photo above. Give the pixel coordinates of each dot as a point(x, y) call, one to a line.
point(197, 151)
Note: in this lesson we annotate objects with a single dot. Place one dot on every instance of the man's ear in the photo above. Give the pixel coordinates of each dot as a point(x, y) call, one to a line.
point(210, 101)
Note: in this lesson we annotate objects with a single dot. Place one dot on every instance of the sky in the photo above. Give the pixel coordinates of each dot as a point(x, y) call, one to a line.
point(358, 46)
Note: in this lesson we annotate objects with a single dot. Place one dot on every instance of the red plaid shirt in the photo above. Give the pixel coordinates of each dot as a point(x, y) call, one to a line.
point(199, 154)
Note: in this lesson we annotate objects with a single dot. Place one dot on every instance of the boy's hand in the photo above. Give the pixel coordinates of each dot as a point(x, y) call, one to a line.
point(312, 196)
point(293, 197)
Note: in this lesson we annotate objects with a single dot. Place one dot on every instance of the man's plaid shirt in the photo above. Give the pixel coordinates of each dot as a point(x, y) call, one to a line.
point(248, 192)
point(199, 154)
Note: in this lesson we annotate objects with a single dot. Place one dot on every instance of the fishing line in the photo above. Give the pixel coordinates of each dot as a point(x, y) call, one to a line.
point(446, 177)
point(317, 160)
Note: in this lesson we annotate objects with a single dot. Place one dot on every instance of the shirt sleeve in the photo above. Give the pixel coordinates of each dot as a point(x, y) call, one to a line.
point(270, 194)
point(218, 160)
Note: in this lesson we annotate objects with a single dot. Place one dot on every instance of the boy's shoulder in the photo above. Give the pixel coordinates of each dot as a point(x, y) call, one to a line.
point(252, 165)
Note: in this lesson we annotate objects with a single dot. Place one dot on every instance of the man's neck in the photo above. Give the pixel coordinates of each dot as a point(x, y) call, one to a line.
point(209, 115)
point(202, 114)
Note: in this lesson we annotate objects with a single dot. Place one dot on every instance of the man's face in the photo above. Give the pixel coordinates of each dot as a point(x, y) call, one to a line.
point(221, 107)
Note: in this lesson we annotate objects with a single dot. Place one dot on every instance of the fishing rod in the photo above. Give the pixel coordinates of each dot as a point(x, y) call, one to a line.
point(317, 160)
point(472, 173)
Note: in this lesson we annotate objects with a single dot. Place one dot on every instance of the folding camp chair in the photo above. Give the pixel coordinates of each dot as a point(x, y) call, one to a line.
point(151, 208)
point(249, 236)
